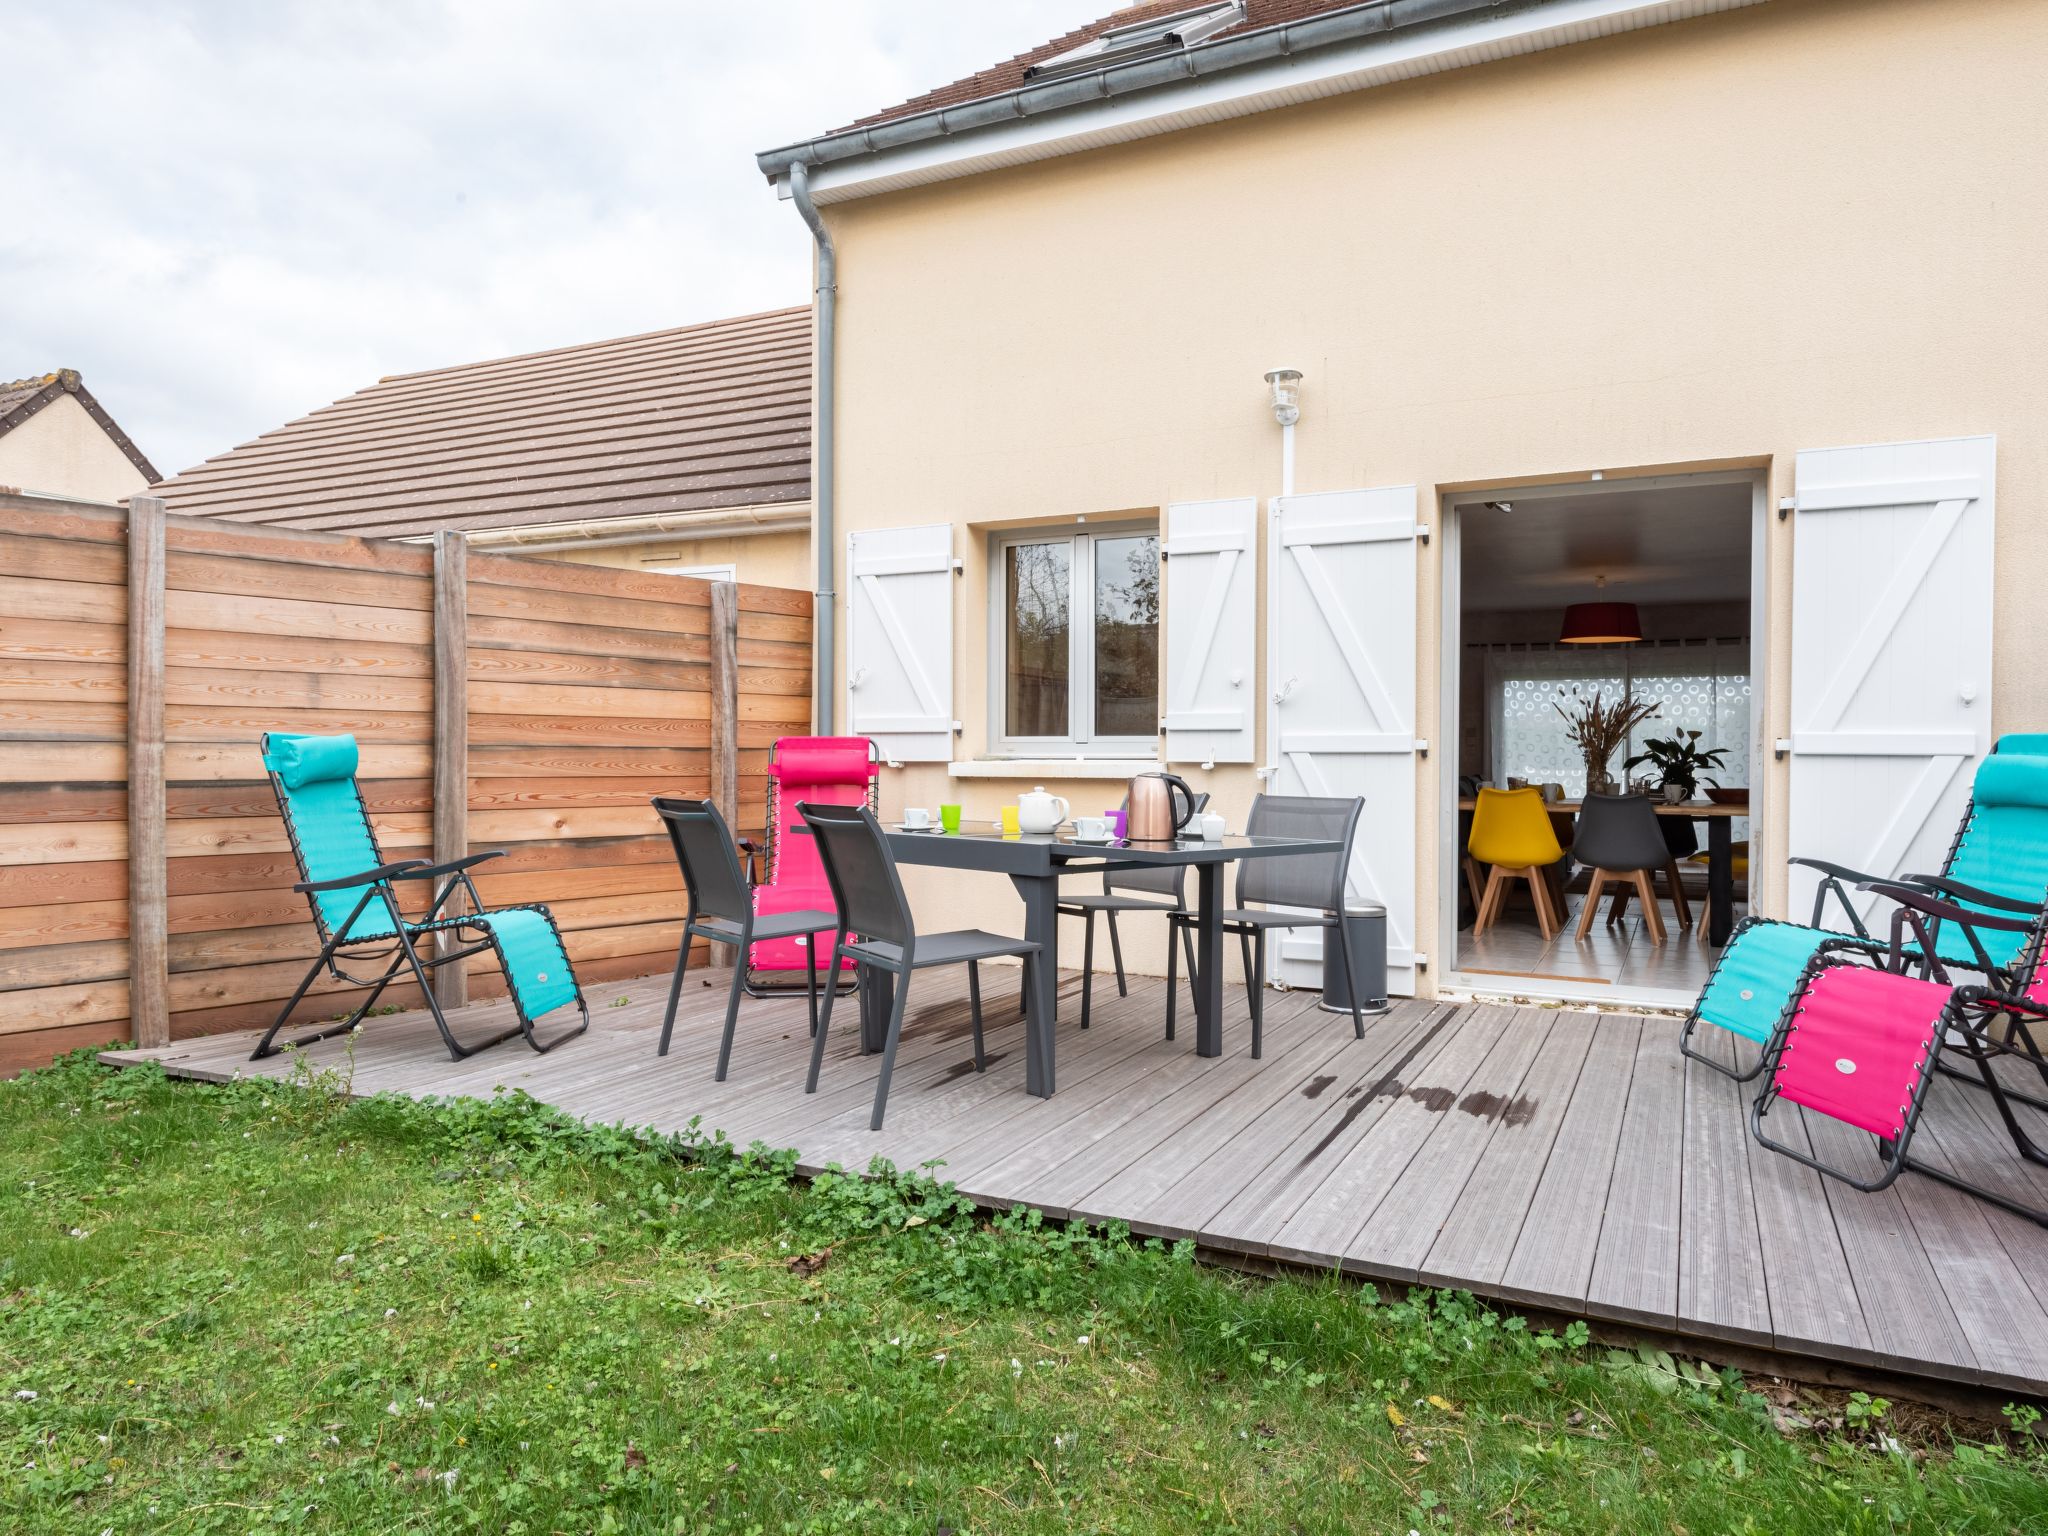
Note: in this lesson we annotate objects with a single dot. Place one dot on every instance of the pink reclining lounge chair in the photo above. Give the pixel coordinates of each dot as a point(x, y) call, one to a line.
point(824, 770)
point(1861, 1046)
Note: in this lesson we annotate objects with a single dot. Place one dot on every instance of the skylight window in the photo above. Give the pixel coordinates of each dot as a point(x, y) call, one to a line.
point(1142, 39)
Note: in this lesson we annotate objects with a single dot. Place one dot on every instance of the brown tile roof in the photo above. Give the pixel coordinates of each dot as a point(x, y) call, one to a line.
point(25, 397)
point(694, 419)
point(1009, 75)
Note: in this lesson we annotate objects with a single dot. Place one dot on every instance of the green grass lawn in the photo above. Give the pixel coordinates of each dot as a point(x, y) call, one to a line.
point(245, 1307)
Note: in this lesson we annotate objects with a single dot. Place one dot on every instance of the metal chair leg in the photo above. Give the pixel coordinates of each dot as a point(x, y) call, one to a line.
point(1257, 982)
point(1087, 965)
point(889, 1050)
point(811, 978)
point(974, 1012)
point(675, 991)
point(732, 1007)
point(1350, 978)
point(1173, 991)
point(825, 1016)
point(1116, 953)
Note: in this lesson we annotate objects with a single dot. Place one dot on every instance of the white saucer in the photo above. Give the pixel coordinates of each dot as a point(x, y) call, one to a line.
point(903, 826)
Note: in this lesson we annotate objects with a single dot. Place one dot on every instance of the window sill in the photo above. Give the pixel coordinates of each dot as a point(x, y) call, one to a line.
point(1041, 769)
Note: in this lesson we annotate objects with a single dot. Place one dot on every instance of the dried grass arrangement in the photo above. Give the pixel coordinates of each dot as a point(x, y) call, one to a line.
point(1599, 729)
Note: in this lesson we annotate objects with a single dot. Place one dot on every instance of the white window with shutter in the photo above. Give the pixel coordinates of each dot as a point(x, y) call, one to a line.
point(1340, 614)
point(899, 640)
point(1074, 641)
point(1891, 653)
point(1211, 631)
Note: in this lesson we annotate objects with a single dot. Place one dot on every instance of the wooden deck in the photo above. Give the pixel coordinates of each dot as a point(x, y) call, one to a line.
point(1566, 1160)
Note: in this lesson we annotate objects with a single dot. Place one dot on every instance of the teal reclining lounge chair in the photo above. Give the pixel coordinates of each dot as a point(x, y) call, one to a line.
point(353, 894)
point(1997, 865)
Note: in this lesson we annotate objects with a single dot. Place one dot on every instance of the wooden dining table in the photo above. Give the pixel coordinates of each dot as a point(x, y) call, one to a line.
point(1720, 821)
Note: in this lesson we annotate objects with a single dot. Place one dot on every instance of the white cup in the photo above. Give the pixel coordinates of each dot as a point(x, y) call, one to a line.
point(1091, 829)
point(1213, 827)
point(917, 816)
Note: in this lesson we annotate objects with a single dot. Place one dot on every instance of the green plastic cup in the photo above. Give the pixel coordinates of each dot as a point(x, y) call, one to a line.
point(949, 817)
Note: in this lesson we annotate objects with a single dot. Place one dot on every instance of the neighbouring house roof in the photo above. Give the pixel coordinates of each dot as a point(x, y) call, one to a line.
point(696, 419)
point(24, 398)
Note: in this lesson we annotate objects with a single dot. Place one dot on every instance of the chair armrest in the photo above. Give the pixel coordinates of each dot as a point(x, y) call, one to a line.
point(423, 871)
point(1921, 901)
point(1947, 887)
point(1839, 871)
point(367, 877)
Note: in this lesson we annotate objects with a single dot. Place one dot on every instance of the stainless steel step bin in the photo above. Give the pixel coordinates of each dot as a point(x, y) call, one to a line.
point(1365, 930)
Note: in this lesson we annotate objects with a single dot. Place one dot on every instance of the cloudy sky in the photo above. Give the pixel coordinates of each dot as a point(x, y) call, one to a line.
point(227, 212)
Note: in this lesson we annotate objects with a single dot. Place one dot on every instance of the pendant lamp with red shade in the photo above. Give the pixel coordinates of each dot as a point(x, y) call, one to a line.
point(1601, 623)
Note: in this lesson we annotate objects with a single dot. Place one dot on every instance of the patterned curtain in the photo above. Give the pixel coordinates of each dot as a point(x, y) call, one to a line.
point(1702, 686)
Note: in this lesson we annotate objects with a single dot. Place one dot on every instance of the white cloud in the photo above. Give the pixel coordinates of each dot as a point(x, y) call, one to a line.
point(228, 212)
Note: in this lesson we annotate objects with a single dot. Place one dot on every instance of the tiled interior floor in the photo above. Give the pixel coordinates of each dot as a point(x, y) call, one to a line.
point(1619, 955)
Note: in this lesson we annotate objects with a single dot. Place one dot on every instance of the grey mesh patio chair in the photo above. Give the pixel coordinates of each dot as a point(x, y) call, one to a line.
point(721, 910)
point(1310, 885)
point(876, 932)
point(1128, 890)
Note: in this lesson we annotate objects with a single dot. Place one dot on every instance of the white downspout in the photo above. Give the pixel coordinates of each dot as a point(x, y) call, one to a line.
point(1286, 387)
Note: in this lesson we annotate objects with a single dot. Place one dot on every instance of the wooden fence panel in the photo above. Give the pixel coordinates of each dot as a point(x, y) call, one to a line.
point(586, 691)
point(63, 779)
point(258, 635)
point(589, 693)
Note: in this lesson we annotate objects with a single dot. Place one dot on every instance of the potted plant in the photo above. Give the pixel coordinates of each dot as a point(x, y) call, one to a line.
point(1680, 763)
point(1599, 729)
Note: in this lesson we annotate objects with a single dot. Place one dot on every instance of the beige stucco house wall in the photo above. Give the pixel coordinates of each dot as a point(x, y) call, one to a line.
point(1711, 243)
point(765, 559)
point(62, 451)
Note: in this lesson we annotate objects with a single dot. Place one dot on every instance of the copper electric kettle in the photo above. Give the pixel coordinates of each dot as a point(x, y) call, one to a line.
point(1153, 815)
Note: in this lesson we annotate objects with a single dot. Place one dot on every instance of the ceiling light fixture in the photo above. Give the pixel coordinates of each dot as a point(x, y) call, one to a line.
point(1601, 623)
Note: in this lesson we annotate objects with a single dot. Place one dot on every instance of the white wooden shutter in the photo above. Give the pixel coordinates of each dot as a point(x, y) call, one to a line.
point(1211, 631)
point(1341, 676)
point(1891, 652)
point(899, 640)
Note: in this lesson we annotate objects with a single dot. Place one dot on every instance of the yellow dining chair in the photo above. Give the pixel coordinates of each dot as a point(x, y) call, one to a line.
point(1738, 866)
point(1511, 831)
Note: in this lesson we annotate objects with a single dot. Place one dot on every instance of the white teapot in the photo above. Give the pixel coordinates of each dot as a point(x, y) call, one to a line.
point(1040, 812)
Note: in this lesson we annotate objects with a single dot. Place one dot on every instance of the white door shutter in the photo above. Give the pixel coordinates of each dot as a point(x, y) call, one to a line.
point(1341, 672)
point(1891, 653)
point(1211, 631)
point(899, 640)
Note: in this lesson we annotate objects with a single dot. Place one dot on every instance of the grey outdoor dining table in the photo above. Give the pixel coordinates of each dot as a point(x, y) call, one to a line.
point(1035, 863)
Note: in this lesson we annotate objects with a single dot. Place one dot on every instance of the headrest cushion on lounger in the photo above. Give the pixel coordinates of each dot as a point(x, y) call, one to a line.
point(303, 760)
point(822, 760)
point(2022, 744)
point(2013, 779)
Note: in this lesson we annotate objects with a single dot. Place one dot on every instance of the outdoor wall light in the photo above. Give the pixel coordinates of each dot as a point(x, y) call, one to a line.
point(1286, 384)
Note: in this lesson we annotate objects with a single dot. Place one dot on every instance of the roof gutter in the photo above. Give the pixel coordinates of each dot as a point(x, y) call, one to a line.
point(1237, 51)
point(601, 532)
point(826, 310)
point(1353, 48)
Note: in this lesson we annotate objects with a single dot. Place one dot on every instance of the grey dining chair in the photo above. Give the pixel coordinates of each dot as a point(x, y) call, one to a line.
point(1311, 885)
point(1129, 890)
point(721, 910)
point(1619, 838)
point(876, 931)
